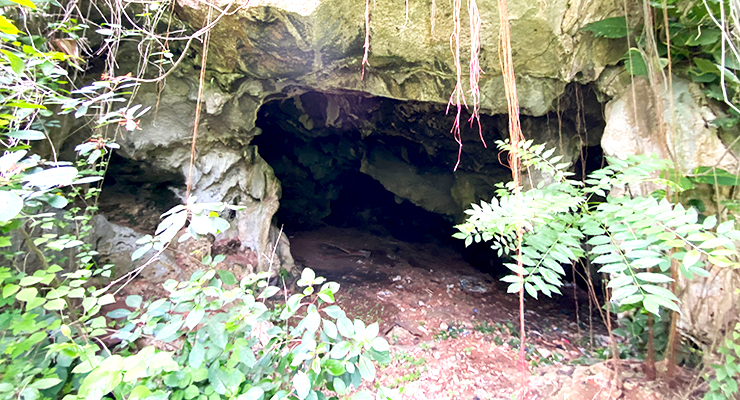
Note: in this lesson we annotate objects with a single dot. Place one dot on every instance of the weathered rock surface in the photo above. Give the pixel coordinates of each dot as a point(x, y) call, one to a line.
point(281, 49)
point(319, 44)
point(116, 243)
point(633, 127)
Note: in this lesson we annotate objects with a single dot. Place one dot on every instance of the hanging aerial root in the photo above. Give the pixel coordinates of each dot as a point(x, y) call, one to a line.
point(475, 69)
point(457, 99)
point(434, 18)
point(201, 84)
point(515, 136)
point(367, 39)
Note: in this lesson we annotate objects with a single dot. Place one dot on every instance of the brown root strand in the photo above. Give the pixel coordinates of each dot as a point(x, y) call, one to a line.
point(434, 19)
point(367, 39)
point(475, 69)
point(515, 136)
point(457, 98)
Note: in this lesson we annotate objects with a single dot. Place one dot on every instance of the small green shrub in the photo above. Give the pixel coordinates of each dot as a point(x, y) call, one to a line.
point(724, 384)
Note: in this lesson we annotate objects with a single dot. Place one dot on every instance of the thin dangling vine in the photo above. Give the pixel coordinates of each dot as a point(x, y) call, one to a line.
point(475, 69)
point(457, 99)
point(367, 38)
point(515, 136)
point(433, 19)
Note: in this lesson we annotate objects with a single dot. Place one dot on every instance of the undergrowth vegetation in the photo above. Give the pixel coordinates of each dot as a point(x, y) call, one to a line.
point(632, 231)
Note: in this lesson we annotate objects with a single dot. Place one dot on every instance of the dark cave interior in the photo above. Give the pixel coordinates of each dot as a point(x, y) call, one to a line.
point(320, 145)
point(135, 194)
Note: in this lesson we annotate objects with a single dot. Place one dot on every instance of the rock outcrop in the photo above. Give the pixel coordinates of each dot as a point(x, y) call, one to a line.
point(281, 49)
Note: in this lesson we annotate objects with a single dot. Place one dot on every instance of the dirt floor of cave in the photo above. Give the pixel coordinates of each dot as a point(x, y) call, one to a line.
point(453, 329)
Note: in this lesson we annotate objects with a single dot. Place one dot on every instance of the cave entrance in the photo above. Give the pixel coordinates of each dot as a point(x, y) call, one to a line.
point(377, 165)
point(385, 166)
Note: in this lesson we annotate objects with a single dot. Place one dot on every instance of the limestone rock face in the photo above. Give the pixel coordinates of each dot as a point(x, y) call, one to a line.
point(275, 50)
point(116, 243)
point(632, 127)
point(319, 44)
point(226, 168)
point(708, 304)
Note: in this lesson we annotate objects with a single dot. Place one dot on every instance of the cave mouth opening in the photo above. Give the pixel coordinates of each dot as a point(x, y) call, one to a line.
point(385, 166)
point(135, 193)
point(341, 157)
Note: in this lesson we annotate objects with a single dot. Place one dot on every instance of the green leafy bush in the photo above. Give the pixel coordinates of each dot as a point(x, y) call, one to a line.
point(230, 339)
point(633, 238)
point(726, 375)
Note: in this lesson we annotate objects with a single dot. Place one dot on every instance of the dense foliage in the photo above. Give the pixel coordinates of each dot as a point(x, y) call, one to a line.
point(631, 231)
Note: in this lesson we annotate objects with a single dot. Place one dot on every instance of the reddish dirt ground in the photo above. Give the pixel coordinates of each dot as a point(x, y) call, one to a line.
point(453, 330)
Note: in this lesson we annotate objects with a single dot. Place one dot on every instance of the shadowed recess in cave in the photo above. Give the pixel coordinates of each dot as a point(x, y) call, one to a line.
point(386, 166)
point(135, 194)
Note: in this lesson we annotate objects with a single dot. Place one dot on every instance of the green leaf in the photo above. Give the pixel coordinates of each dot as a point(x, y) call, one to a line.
point(366, 367)
point(169, 332)
point(330, 329)
point(653, 277)
point(192, 391)
point(380, 344)
point(660, 291)
point(106, 299)
point(30, 280)
point(339, 386)
point(196, 356)
point(635, 63)
point(8, 27)
point(141, 251)
point(334, 367)
point(194, 317)
point(691, 257)
point(59, 176)
point(340, 350)
point(313, 319)
point(362, 395)
point(10, 205)
point(268, 292)
point(217, 378)
point(134, 300)
point(612, 28)
point(705, 37)
point(301, 384)
point(29, 4)
point(227, 277)
point(10, 290)
point(16, 64)
point(713, 175)
point(653, 303)
point(56, 304)
point(623, 292)
point(710, 222)
point(345, 326)
point(254, 393)
point(27, 294)
point(27, 135)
